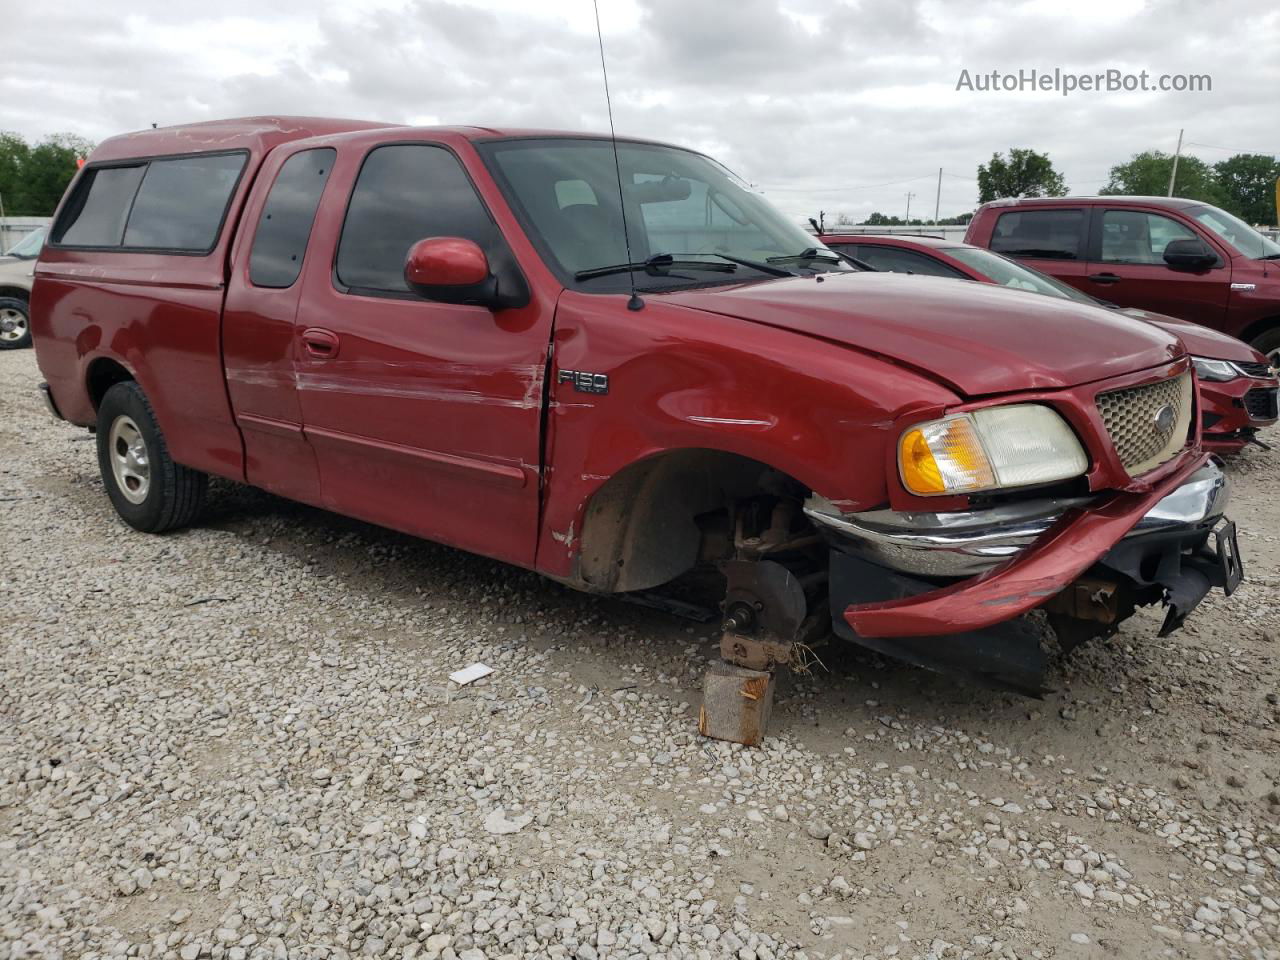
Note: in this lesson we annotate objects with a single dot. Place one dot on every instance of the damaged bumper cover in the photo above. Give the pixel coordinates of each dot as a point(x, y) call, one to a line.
point(947, 590)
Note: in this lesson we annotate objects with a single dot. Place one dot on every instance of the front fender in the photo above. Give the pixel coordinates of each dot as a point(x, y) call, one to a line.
point(684, 379)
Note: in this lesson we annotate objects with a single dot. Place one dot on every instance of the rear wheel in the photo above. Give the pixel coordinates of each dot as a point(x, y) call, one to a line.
point(1268, 343)
point(149, 491)
point(15, 324)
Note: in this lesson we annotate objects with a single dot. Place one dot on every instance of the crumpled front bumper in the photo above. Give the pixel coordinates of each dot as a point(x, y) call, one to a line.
point(894, 583)
point(972, 542)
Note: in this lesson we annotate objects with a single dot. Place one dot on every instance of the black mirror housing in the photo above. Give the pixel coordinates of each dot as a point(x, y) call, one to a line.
point(1189, 254)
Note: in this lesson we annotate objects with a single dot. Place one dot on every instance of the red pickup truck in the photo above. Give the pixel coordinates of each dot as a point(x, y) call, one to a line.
point(1181, 258)
point(614, 367)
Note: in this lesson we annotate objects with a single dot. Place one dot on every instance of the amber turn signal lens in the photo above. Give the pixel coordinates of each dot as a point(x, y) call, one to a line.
point(919, 469)
point(944, 456)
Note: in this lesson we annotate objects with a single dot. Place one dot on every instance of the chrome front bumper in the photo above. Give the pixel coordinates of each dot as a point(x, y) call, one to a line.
point(966, 543)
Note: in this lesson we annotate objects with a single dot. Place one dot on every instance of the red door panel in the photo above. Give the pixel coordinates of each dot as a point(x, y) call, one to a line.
point(425, 416)
point(1128, 267)
point(258, 323)
point(1073, 272)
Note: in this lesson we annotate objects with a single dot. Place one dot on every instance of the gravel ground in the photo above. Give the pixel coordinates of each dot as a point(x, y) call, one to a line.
point(239, 741)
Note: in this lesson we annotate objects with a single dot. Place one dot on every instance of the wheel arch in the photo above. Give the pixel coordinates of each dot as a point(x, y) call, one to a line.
point(1259, 327)
point(639, 528)
point(101, 374)
point(16, 293)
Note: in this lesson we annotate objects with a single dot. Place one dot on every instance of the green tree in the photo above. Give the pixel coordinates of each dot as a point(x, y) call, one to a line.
point(1024, 174)
point(34, 177)
point(1247, 185)
point(879, 219)
point(1147, 175)
point(13, 160)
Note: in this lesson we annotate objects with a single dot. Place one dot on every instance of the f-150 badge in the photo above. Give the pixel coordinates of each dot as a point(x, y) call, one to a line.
point(585, 382)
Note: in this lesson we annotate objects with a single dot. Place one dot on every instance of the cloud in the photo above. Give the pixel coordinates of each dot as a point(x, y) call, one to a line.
point(844, 106)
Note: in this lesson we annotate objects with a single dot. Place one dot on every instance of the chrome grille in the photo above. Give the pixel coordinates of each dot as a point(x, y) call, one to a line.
point(1132, 420)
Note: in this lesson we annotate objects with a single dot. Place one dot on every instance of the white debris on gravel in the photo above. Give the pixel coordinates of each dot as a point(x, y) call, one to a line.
point(280, 770)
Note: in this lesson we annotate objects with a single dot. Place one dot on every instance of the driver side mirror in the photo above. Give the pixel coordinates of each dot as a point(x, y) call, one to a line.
point(455, 270)
point(1189, 254)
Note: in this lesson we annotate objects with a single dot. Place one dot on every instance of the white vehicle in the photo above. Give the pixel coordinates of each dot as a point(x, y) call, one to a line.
point(17, 269)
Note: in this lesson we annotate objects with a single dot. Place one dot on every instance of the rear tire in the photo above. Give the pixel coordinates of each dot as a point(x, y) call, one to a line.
point(15, 324)
point(1268, 343)
point(149, 491)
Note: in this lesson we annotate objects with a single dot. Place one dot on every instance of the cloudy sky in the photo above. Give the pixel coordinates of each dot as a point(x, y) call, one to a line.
point(843, 105)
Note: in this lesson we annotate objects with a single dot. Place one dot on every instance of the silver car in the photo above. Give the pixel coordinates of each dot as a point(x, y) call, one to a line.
point(17, 269)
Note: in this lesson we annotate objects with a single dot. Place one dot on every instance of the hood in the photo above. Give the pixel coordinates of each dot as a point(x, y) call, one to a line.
point(976, 337)
point(1200, 341)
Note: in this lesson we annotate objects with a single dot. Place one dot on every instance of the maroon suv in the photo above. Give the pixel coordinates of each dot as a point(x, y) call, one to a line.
point(1179, 257)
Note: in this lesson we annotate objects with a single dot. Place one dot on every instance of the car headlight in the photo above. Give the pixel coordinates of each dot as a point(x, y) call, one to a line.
point(1216, 370)
point(1009, 446)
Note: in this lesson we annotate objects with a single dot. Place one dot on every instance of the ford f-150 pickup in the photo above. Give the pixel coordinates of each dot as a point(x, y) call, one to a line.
point(614, 368)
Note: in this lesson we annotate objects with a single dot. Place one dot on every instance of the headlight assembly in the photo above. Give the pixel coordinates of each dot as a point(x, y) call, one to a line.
point(1010, 446)
point(1217, 371)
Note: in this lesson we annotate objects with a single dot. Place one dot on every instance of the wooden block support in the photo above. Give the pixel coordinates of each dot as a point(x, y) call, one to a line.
point(736, 703)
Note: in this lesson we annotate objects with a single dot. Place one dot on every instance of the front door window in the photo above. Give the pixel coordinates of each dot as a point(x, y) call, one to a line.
point(1132, 236)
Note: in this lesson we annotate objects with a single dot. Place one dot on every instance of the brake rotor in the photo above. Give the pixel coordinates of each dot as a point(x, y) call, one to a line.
point(763, 599)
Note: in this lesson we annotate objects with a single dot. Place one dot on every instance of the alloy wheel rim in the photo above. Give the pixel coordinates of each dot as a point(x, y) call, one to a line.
point(13, 324)
point(130, 463)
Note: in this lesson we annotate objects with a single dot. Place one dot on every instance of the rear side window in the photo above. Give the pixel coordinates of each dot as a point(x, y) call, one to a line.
point(285, 225)
point(896, 260)
point(406, 193)
point(181, 203)
point(96, 214)
point(173, 204)
point(1048, 234)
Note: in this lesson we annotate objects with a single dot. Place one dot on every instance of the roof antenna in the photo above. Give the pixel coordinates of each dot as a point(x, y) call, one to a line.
point(635, 303)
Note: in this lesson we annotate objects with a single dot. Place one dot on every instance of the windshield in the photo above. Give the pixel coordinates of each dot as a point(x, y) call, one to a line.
point(28, 248)
point(678, 204)
point(1236, 232)
point(1010, 273)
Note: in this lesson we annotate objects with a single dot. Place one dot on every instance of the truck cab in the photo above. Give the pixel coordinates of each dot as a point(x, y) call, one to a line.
point(612, 362)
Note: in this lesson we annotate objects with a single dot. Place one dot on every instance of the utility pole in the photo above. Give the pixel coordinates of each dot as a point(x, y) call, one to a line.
point(909, 196)
point(1173, 174)
point(937, 201)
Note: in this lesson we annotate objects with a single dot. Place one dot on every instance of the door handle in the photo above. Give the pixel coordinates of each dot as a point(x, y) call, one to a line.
point(1105, 277)
point(320, 343)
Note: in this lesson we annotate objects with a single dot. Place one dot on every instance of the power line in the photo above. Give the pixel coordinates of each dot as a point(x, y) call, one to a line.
point(863, 186)
point(1210, 146)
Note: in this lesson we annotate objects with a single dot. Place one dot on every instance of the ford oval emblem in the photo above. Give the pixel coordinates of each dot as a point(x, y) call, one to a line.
point(1165, 418)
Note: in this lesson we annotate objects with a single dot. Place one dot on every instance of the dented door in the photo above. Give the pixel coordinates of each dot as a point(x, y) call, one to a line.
point(424, 416)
